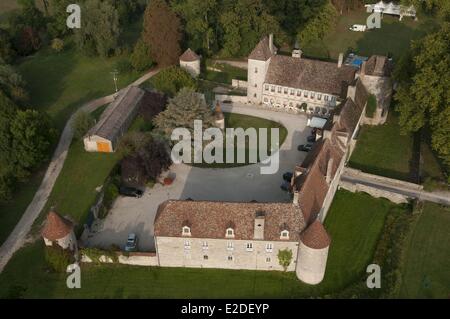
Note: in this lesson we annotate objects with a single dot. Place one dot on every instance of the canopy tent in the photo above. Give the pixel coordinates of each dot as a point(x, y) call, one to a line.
point(316, 122)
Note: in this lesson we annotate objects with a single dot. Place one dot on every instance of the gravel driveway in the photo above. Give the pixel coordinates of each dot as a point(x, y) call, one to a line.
point(230, 184)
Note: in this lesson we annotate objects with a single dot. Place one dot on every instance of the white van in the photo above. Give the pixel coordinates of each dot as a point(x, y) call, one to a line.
point(358, 27)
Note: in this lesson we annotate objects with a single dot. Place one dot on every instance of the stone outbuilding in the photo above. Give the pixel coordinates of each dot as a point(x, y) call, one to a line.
point(190, 61)
point(219, 118)
point(59, 230)
point(313, 253)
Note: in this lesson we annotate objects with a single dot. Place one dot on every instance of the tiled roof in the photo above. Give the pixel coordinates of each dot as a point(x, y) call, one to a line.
point(117, 113)
point(189, 56)
point(262, 50)
point(211, 219)
point(315, 236)
point(377, 65)
point(56, 227)
point(312, 75)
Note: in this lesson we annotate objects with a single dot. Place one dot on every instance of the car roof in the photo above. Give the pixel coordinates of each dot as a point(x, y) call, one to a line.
point(131, 235)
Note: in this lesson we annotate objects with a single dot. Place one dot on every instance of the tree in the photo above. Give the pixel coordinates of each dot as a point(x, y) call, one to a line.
point(99, 32)
point(82, 123)
point(172, 79)
point(56, 26)
point(32, 138)
point(141, 57)
point(423, 93)
point(162, 33)
point(285, 258)
point(12, 84)
point(57, 44)
point(152, 104)
point(182, 110)
point(7, 53)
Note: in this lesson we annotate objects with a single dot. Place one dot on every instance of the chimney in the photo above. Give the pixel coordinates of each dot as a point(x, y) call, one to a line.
point(363, 68)
point(299, 170)
point(259, 225)
point(295, 199)
point(271, 43)
point(329, 169)
point(341, 59)
point(296, 53)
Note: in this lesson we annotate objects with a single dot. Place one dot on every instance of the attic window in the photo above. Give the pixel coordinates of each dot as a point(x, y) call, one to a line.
point(186, 231)
point(256, 70)
point(229, 233)
point(284, 234)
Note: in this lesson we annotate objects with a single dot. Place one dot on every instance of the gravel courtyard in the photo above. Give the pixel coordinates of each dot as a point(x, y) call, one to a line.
point(243, 183)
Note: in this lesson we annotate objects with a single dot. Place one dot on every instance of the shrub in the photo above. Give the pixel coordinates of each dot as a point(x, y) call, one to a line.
point(371, 105)
point(57, 45)
point(123, 65)
point(95, 254)
point(140, 58)
point(57, 258)
point(285, 258)
point(82, 123)
point(172, 79)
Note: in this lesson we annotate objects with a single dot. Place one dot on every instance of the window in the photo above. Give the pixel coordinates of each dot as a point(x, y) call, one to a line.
point(285, 91)
point(292, 91)
point(230, 258)
point(256, 70)
point(230, 245)
point(279, 89)
point(205, 245)
point(187, 244)
point(269, 247)
point(254, 95)
point(266, 100)
point(249, 246)
point(305, 93)
point(319, 96)
point(284, 234)
point(256, 85)
point(312, 95)
point(299, 93)
point(325, 97)
point(266, 87)
point(205, 257)
point(268, 260)
point(272, 88)
point(333, 98)
point(186, 231)
point(229, 232)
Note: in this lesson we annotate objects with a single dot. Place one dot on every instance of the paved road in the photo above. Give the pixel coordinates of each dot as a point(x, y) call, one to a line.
point(440, 198)
point(18, 236)
point(137, 215)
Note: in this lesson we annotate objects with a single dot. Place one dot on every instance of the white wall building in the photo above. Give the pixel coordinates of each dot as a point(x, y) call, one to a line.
point(190, 61)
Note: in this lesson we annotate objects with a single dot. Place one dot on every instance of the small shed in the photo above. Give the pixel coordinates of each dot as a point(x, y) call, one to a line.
point(114, 122)
point(316, 122)
point(190, 61)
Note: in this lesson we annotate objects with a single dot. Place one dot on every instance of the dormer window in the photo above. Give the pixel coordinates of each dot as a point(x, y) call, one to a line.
point(256, 70)
point(229, 233)
point(284, 234)
point(186, 231)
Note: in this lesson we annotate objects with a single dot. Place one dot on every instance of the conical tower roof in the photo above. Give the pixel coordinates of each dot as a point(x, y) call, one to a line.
point(56, 227)
point(315, 236)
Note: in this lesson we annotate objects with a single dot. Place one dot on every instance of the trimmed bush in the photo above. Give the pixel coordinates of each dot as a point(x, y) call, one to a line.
point(57, 258)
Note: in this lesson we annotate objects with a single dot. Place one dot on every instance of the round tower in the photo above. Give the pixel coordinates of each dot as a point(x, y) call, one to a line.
point(190, 61)
point(219, 118)
point(58, 230)
point(313, 253)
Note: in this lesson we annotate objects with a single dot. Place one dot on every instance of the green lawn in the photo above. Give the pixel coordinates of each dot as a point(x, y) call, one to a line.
point(426, 273)
point(234, 120)
point(227, 73)
point(382, 150)
point(354, 223)
point(393, 37)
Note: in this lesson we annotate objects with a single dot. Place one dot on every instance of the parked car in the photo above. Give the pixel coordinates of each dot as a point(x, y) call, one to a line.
point(130, 191)
point(311, 138)
point(358, 27)
point(285, 186)
point(132, 242)
point(305, 147)
point(287, 176)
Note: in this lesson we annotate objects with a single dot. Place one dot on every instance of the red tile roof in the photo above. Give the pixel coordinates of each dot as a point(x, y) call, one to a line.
point(262, 50)
point(315, 236)
point(189, 56)
point(56, 227)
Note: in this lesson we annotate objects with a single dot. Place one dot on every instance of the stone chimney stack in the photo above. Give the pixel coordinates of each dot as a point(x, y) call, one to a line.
point(341, 59)
point(271, 48)
point(259, 225)
point(329, 170)
point(295, 199)
point(296, 53)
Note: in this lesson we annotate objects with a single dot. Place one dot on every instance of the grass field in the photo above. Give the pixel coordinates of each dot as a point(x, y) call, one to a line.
point(233, 120)
point(393, 37)
point(354, 223)
point(382, 150)
point(227, 73)
point(426, 273)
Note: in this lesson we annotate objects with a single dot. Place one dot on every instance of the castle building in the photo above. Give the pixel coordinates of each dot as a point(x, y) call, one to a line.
point(190, 61)
point(297, 84)
point(58, 230)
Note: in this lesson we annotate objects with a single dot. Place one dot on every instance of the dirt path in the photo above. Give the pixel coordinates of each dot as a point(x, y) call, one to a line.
point(18, 236)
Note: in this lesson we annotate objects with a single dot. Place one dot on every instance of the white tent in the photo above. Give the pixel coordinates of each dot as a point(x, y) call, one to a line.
point(316, 122)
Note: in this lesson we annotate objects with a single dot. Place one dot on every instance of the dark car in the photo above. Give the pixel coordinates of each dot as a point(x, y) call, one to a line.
point(130, 191)
point(305, 147)
point(287, 176)
point(132, 242)
point(311, 138)
point(285, 186)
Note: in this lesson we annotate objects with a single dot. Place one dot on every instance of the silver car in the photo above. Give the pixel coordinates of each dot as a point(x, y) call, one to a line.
point(132, 242)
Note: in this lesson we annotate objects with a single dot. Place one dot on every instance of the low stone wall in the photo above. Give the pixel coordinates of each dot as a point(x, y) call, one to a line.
point(231, 98)
point(239, 83)
point(381, 179)
point(134, 258)
point(374, 192)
